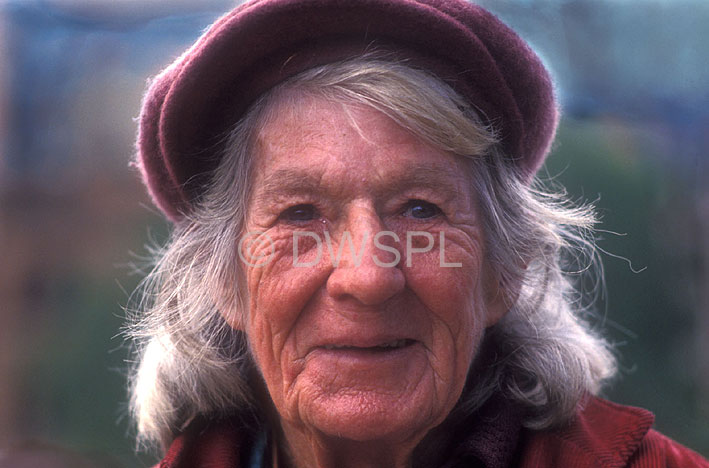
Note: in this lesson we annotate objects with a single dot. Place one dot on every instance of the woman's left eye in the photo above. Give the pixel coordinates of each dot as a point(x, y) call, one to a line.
point(420, 209)
point(300, 213)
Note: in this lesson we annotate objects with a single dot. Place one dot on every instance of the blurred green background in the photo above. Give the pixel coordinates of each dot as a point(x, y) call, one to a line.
point(633, 78)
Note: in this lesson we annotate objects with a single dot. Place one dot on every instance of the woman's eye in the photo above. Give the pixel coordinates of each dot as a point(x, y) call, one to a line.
point(420, 209)
point(300, 213)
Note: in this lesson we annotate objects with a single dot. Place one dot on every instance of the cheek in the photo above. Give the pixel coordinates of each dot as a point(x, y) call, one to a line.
point(278, 292)
point(453, 294)
point(449, 276)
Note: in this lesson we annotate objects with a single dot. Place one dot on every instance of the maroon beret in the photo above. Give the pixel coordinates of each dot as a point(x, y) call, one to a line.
point(192, 103)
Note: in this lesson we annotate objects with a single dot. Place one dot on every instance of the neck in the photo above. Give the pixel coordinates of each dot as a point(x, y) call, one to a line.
point(306, 449)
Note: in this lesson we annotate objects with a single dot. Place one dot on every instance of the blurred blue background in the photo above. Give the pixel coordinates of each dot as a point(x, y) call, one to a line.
point(633, 77)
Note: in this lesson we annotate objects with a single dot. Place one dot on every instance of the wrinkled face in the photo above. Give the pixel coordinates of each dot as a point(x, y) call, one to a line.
point(374, 345)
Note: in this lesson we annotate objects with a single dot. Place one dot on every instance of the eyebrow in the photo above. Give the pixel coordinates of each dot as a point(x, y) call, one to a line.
point(289, 181)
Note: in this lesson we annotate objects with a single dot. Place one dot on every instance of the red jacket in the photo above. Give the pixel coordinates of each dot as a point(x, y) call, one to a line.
point(608, 435)
point(603, 435)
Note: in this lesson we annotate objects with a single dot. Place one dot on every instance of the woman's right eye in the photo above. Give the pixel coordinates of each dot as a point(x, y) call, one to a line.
point(299, 213)
point(420, 209)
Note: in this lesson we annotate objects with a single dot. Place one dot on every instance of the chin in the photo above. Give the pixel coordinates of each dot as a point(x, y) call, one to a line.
point(368, 416)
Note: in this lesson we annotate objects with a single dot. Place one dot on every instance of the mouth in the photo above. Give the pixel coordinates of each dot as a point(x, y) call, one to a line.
point(383, 347)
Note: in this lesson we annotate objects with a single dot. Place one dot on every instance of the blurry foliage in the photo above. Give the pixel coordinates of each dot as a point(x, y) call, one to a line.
point(647, 308)
point(73, 382)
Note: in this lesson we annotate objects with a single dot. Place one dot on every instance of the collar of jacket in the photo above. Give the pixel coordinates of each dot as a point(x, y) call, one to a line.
point(603, 434)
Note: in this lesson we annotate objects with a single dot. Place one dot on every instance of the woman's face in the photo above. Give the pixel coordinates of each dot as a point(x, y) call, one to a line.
point(363, 347)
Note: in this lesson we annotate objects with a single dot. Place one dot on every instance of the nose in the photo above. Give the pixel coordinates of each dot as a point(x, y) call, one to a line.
point(366, 270)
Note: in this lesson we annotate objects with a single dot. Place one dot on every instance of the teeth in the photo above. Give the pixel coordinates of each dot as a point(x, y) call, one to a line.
point(391, 344)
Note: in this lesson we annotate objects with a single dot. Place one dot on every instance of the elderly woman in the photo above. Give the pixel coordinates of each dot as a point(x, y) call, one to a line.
point(360, 272)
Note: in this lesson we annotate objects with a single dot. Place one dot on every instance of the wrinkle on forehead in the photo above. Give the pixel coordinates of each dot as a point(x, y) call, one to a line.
point(301, 132)
point(296, 111)
point(295, 181)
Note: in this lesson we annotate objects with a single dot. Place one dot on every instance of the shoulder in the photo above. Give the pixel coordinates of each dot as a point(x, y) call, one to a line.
point(216, 443)
point(606, 434)
point(663, 451)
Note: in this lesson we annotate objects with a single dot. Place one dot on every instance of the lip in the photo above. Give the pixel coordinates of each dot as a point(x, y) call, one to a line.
point(366, 351)
point(365, 343)
point(364, 355)
point(394, 344)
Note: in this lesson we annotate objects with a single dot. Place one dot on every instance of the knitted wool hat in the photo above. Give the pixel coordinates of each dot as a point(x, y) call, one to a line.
point(194, 101)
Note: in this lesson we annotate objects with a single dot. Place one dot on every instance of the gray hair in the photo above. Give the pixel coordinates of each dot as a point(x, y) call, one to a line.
point(190, 362)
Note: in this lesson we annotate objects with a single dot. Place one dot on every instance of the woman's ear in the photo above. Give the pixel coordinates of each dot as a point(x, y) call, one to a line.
point(500, 295)
point(231, 305)
point(232, 317)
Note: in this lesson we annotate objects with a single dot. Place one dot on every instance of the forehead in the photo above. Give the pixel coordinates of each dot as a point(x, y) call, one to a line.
point(315, 136)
